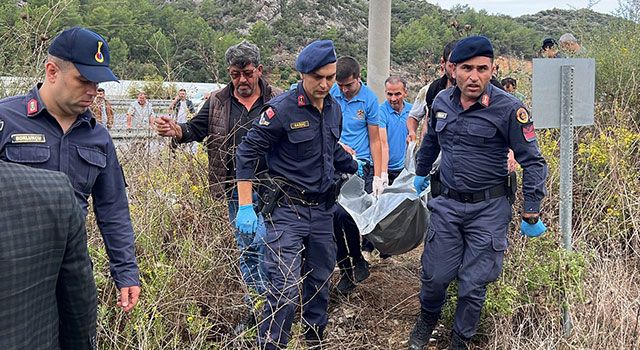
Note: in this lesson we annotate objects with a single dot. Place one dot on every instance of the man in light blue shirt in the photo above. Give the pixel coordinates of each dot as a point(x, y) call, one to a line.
point(359, 105)
point(393, 127)
point(360, 137)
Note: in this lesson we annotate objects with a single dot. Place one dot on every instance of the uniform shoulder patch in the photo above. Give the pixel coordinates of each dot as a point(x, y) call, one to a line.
point(522, 116)
point(266, 116)
point(529, 132)
point(270, 112)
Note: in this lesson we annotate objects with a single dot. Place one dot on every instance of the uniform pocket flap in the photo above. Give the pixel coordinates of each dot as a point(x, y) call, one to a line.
point(481, 130)
point(302, 135)
point(500, 244)
point(93, 156)
point(440, 125)
point(28, 154)
point(336, 132)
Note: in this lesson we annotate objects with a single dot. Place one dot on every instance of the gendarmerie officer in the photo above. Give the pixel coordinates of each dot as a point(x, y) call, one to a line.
point(474, 125)
point(298, 132)
point(52, 128)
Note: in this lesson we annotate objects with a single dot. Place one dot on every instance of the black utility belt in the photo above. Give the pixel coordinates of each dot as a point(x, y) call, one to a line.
point(306, 199)
point(476, 197)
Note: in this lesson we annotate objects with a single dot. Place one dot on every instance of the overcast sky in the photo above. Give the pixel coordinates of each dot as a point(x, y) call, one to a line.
point(517, 8)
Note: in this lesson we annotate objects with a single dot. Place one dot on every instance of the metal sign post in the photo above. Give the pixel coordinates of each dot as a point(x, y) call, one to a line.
point(566, 173)
point(574, 81)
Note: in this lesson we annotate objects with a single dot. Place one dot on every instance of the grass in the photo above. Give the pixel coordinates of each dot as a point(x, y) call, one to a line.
point(192, 293)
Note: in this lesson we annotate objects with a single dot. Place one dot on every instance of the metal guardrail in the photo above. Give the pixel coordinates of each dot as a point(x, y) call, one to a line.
point(120, 107)
point(159, 106)
point(131, 134)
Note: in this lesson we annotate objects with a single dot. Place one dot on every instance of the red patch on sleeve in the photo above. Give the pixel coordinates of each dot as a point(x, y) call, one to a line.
point(529, 132)
point(270, 113)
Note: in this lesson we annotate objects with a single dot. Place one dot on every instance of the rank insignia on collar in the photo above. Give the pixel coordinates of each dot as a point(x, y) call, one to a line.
point(300, 125)
point(529, 132)
point(301, 101)
point(522, 116)
point(441, 115)
point(32, 106)
point(485, 100)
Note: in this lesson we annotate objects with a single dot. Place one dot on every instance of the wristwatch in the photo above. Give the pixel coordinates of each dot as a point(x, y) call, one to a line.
point(531, 220)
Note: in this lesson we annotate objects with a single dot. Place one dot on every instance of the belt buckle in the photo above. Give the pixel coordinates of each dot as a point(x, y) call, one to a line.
point(307, 203)
point(466, 197)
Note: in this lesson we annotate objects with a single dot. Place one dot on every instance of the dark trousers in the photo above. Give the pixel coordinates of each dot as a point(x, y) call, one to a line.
point(348, 245)
point(464, 241)
point(393, 175)
point(299, 258)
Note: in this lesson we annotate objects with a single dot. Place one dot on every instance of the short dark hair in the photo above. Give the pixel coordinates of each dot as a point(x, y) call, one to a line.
point(394, 79)
point(549, 42)
point(183, 89)
point(347, 66)
point(243, 54)
point(100, 89)
point(446, 52)
point(509, 81)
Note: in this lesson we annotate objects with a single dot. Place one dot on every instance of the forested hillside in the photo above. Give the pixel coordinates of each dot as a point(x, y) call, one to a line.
point(186, 39)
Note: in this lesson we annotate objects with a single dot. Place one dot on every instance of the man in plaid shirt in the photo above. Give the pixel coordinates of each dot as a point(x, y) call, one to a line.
point(47, 294)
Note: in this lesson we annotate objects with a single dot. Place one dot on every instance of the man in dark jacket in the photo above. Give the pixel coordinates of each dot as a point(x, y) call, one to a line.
point(224, 120)
point(47, 294)
point(181, 106)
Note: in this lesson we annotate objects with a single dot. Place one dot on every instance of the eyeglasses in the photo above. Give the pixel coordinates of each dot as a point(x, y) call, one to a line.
point(248, 74)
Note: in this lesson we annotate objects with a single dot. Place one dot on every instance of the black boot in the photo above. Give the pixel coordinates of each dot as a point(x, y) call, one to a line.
point(346, 285)
point(458, 342)
point(422, 331)
point(360, 270)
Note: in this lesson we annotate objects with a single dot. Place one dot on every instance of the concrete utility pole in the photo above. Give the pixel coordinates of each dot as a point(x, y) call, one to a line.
point(378, 50)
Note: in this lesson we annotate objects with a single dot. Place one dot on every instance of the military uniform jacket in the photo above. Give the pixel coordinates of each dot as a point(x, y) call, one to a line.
point(300, 143)
point(475, 144)
point(85, 153)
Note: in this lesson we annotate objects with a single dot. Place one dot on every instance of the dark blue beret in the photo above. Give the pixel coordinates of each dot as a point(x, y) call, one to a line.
point(315, 55)
point(470, 47)
point(88, 52)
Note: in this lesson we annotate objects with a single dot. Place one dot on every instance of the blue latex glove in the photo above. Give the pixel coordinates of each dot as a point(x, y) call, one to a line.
point(420, 183)
point(246, 219)
point(534, 230)
point(361, 164)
